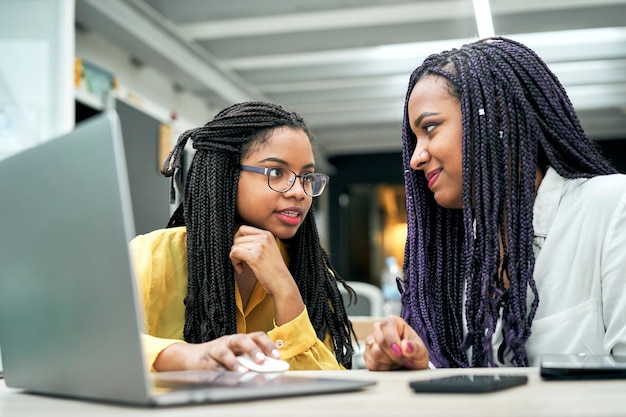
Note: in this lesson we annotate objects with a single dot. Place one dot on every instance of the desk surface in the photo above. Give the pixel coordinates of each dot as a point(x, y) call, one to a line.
point(390, 397)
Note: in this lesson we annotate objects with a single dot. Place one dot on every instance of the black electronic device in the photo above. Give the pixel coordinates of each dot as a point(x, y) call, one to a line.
point(468, 383)
point(582, 366)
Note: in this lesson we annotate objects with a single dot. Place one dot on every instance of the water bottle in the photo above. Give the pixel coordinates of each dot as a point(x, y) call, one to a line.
point(390, 287)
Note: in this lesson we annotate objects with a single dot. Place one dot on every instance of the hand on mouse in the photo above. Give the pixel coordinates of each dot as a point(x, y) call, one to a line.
point(269, 364)
point(218, 354)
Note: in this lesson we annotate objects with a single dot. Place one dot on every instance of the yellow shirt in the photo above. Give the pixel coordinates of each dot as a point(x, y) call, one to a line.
point(160, 262)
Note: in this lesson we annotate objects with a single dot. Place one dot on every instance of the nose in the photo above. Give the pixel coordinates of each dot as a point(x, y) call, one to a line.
point(297, 189)
point(419, 159)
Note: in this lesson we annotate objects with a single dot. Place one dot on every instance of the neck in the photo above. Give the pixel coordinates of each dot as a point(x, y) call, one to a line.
point(245, 282)
point(539, 174)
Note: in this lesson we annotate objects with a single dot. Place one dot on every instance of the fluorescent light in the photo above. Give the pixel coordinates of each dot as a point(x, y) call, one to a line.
point(483, 18)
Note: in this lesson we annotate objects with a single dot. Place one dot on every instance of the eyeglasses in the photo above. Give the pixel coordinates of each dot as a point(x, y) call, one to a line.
point(282, 179)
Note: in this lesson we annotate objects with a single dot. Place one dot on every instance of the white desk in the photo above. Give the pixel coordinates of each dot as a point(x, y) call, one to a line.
point(390, 397)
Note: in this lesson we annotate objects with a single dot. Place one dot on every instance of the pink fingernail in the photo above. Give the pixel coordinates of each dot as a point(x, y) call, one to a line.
point(396, 350)
point(408, 364)
point(409, 347)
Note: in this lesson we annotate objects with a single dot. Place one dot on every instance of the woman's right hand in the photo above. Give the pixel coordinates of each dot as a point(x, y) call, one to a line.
point(218, 354)
point(394, 344)
point(256, 249)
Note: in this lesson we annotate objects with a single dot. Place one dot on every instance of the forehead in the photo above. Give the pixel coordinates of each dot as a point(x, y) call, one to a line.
point(430, 89)
point(286, 143)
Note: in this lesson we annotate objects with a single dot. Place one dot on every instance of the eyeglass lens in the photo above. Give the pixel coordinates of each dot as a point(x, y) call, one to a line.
point(281, 180)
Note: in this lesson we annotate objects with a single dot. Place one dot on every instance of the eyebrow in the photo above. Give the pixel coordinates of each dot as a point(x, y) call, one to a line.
point(283, 162)
point(424, 115)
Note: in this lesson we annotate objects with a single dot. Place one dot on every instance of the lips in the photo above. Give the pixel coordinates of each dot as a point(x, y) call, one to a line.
point(291, 215)
point(432, 177)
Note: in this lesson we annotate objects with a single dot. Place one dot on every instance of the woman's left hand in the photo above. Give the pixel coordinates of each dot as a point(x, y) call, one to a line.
point(394, 344)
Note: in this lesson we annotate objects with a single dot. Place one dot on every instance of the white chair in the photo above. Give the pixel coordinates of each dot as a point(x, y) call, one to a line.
point(369, 300)
point(367, 310)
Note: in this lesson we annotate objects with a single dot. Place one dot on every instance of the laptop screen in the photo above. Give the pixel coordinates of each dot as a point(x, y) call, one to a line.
point(67, 305)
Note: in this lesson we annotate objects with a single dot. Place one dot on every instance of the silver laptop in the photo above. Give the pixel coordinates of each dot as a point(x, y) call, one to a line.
point(69, 317)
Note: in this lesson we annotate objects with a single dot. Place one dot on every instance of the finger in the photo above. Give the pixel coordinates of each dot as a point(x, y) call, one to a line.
point(388, 338)
point(376, 359)
point(394, 337)
point(245, 229)
point(216, 355)
point(266, 344)
point(244, 239)
point(389, 329)
point(416, 353)
point(248, 252)
point(256, 345)
point(403, 344)
point(256, 238)
point(237, 263)
point(238, 256)
point(224, 352)
point(210, 356)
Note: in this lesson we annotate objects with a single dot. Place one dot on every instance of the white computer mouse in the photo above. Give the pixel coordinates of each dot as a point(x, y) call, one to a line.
point(270, 365)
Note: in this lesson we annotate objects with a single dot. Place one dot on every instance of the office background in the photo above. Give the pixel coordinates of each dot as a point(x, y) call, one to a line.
point(169, 65)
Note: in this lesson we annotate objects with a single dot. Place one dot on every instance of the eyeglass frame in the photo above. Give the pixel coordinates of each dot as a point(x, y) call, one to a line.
point(266, 171)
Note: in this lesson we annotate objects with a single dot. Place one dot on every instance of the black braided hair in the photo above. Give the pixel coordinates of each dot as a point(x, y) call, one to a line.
point(516, 117)
point(208, 211)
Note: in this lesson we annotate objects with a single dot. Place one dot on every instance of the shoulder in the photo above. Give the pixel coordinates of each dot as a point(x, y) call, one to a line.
point(599, 201)
point(595, 200)
point(601, 190)
point(614, 182)
point(175, 236)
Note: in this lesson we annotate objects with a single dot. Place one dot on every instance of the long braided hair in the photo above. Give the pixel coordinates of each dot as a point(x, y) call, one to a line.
point(208, 211)
point(516, 116)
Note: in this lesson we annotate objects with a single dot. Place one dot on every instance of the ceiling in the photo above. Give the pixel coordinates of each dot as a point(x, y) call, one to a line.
point(344, 64)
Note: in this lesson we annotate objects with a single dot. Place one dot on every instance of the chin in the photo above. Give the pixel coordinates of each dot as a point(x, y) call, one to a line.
point(449, 203)
point(287, 232)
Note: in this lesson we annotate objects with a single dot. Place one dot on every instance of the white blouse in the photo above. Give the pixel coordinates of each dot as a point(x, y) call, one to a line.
point(580, 268)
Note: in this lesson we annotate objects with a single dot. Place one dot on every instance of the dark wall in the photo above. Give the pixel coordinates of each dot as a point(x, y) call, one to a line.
point(615, 151)
point(349, 233)
point(83, 111)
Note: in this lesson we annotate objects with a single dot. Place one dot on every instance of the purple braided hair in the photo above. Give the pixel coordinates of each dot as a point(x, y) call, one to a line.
point(516, 117)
